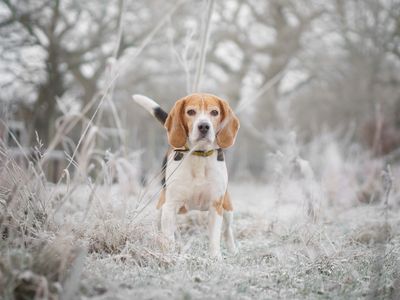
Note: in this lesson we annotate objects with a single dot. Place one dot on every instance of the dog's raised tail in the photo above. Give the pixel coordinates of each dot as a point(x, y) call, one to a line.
point(152, 107)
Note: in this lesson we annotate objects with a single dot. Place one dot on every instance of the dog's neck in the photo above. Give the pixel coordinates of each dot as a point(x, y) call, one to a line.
point(201, 146)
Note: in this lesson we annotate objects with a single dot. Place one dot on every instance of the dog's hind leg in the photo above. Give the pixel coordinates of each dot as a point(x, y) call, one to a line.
point(168, 222)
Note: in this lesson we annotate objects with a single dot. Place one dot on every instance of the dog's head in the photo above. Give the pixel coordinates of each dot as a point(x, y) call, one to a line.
point(202, 121)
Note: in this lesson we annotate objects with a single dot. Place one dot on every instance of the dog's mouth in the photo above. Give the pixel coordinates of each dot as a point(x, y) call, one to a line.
point(203, 138)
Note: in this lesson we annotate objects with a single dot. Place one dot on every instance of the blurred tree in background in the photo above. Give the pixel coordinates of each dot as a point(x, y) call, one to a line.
point(54, 51)
point(47, 46)
point(285, 65)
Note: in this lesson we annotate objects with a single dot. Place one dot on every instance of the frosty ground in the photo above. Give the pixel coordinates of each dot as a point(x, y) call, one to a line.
point(309, 231)
point(282, 255)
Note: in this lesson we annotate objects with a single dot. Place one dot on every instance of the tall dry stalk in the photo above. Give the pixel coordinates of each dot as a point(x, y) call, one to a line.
point(203, 46)
point(378, 265)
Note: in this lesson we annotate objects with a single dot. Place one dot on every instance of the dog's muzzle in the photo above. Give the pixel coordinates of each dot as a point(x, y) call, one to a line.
point(203, 129)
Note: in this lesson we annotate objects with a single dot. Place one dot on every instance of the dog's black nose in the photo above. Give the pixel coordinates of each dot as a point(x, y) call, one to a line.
point(203, 128)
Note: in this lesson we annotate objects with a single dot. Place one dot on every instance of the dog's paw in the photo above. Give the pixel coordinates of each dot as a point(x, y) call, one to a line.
point(233, 250)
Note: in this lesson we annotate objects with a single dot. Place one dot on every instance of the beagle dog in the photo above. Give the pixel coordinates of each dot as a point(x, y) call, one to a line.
point(195, 177)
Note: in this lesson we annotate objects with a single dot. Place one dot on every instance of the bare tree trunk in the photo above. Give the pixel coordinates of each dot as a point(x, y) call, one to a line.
point(44, 111)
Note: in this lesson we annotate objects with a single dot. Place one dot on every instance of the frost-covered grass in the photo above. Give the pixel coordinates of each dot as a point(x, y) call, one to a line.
point(304, 232)
point(282, 254)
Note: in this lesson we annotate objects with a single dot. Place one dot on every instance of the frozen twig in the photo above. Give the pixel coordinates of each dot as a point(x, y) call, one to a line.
point(203, 46)
point(387, 185)
point(112, 68)
point(160, 25)
point(379, 262)
point(243, 103)
point(183, 56)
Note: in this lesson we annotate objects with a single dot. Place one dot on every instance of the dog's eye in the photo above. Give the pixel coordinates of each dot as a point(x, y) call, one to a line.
point(191, 112)
point(214, 112)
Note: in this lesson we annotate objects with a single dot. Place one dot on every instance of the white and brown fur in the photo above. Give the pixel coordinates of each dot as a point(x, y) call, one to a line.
point(200, 122)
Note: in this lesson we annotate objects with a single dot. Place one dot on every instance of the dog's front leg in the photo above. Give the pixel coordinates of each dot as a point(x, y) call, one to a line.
point(214, 231)
point(228, 234)
point(168, 222)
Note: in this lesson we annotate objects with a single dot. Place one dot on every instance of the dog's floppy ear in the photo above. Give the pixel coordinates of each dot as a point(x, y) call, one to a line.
point(229, 126)
point(174, 124)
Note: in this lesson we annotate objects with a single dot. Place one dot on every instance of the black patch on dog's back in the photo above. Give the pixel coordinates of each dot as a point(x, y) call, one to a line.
point(160, 114)
point(163, 168)
point(178, 155)
point(220, 156)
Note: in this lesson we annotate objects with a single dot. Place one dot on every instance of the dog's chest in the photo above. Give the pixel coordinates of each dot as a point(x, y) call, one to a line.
point(196, 182)
point(201, 169)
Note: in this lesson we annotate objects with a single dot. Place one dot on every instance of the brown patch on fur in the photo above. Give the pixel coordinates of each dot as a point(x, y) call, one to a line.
point(182, 210)
point(177, 132)
point(230, 126)
point(161, 200)
point(227, 204)
point(219, 206)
